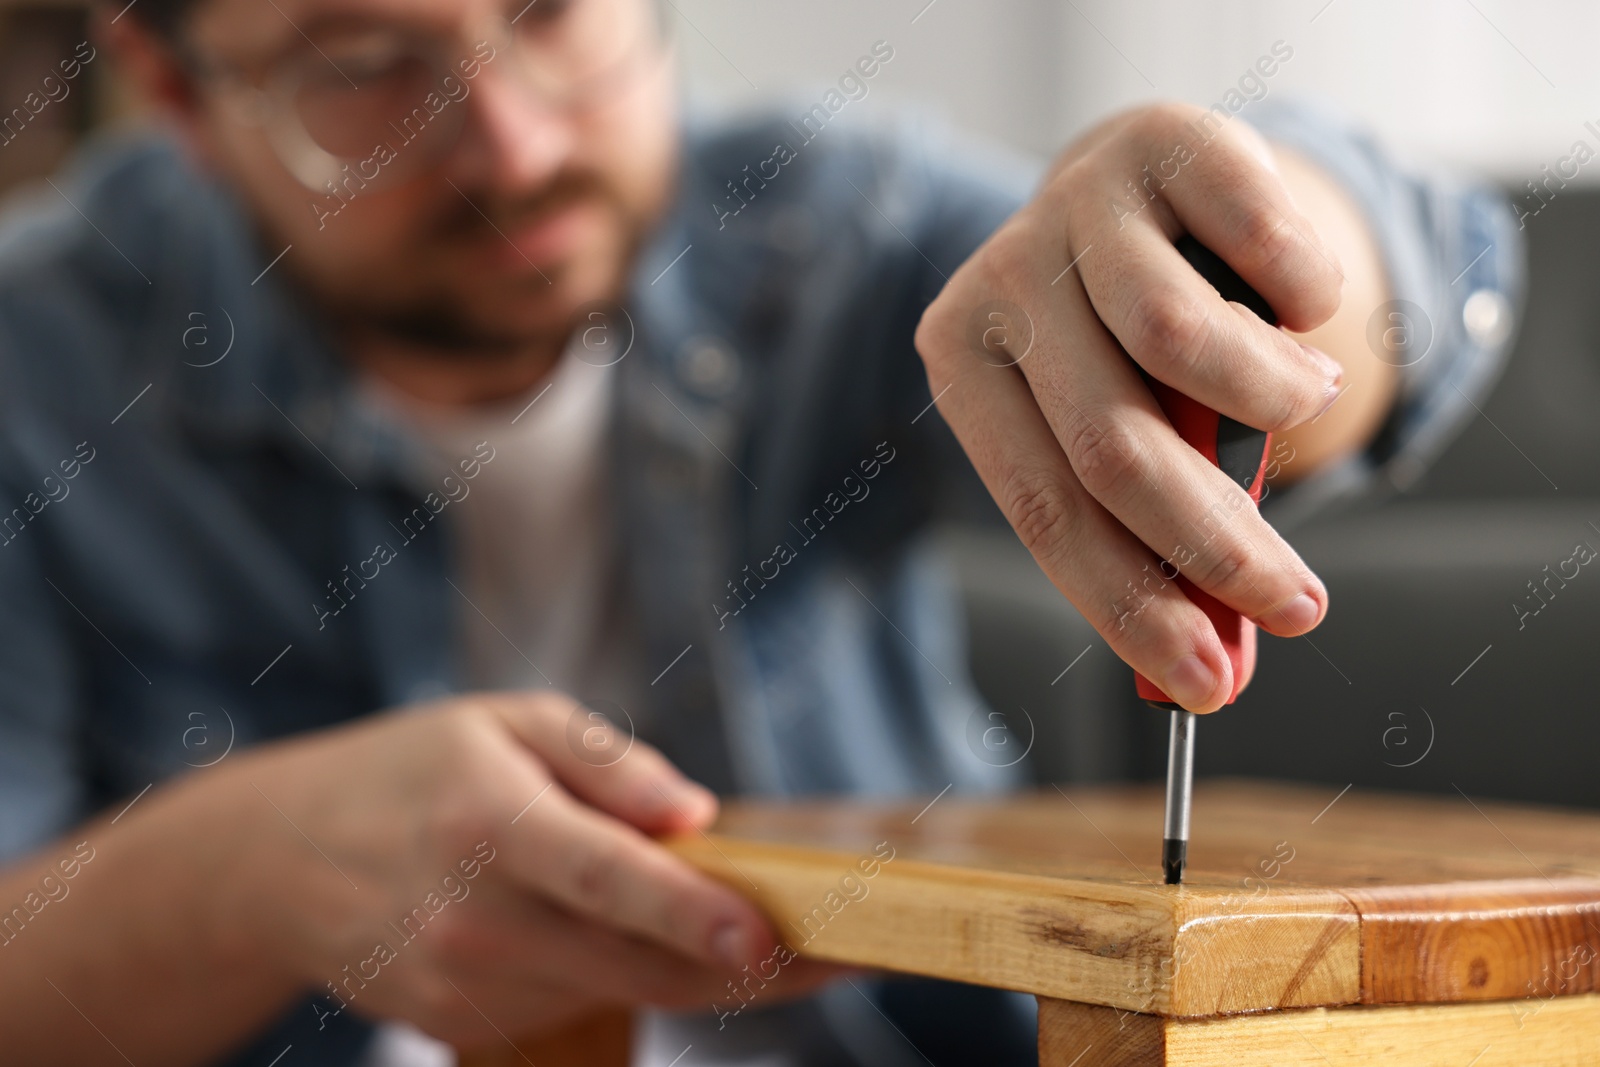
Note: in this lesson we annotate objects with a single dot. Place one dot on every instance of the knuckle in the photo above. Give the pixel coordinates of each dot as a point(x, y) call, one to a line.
point(1307, 386)
point(1267, 237)
point(938, 334)
point(1039, 513)
point(660, 914)
point(1116, 620)
point(1005, 268)
point(925, 339)
point(1104, 455)
point(552, 705)
point(465, 814)
point(1164, 118)
point(1298, 406)
point(1084, 216)
point(681, 917)
point(467, 740)
point(1008, 261)
point(1227, 568)
point(641, 789)
point(597, 878)
point(1293, 391)
point(651, 764)
point(1173, 328)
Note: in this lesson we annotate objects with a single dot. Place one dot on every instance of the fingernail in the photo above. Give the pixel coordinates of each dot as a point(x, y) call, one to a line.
point(681, 799)
point(698, 802)
point(1189, 681)
point(1335, 391)
point(728, 944)
point(1331, 368)
point(1301, 613)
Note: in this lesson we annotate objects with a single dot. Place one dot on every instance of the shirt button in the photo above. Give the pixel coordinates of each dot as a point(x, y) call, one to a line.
point(1487, 316)
point(709, 366)
point(1406, 471)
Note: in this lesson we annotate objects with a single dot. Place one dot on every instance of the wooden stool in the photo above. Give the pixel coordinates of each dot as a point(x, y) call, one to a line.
point(601, 1040)
point(1313, 928)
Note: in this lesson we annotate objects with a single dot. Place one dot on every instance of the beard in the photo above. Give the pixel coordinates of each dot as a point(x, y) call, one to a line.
point(432, 321)
point(442, 330)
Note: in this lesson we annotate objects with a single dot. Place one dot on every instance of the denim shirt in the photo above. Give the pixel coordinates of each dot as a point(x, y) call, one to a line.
point(774, 467)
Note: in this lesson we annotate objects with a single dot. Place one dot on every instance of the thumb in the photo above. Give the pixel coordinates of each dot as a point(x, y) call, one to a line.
point(600, 761)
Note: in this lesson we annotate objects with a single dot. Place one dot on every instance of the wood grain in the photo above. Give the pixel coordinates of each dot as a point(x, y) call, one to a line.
point(1291, 901)
point(1564, 1032)
point(1479, 941)
point(1136, 946)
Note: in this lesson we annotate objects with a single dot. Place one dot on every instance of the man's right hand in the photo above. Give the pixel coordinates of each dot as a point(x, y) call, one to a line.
point(345, 834)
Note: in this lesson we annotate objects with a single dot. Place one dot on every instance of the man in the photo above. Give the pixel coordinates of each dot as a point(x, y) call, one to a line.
point(426, 356)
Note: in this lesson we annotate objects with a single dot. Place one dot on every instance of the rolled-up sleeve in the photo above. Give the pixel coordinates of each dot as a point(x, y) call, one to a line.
point(1453, 253)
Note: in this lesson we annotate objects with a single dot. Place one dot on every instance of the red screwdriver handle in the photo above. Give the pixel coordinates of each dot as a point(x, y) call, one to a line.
point(1239, 450)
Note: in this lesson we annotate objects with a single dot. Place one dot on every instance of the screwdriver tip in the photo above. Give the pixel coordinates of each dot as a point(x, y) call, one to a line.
point(1174, 853)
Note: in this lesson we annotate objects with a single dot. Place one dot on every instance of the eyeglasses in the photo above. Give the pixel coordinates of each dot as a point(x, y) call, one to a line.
point(386, 103)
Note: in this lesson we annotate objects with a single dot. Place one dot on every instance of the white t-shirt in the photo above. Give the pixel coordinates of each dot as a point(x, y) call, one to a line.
point(539, 589)
point(536, 556)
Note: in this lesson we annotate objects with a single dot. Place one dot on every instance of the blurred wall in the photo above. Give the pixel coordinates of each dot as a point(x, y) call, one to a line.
point(1500, 86)
point(1496, 85)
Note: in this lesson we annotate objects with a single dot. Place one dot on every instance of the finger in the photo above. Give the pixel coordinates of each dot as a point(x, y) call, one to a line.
point(1176, 325)
point(578, 953)
point(1249, 640)
point(598, 867)
point(1094, 560)
point(1128, 457)
point(604, 764)
point(1231, 199)
point(517, 939)
point(530, 970)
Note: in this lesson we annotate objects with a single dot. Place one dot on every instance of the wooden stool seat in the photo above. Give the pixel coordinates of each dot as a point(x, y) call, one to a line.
point(1314, 926)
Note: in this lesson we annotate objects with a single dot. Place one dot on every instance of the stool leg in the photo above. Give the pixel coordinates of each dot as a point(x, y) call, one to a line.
point(1086, 1035)
point(603, 1039)
point(1536, 1032)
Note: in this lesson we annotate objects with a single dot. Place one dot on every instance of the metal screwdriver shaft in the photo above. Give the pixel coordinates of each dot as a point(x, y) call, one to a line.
point(1240, 452)
point(1180, 794)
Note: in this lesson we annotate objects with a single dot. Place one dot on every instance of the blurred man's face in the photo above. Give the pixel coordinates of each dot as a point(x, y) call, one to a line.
point(441, 175)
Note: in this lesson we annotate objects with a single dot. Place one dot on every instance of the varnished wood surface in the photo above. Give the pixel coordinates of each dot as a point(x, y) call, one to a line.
point(1463, 932)
point(1560, 1032)
point(1290, 902)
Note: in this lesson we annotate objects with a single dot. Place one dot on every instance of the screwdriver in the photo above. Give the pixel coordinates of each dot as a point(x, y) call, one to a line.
point(1240, 451)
